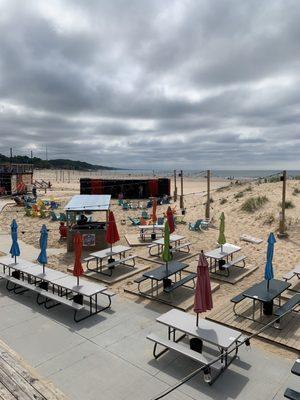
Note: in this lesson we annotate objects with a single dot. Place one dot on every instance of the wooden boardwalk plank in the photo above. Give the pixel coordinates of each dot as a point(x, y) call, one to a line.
point(19, 381)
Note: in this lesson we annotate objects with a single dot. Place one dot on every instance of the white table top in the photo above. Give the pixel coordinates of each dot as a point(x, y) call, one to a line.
point(49, 275)
point(227, 250)
point(21, 264)
point(208, 331)
point(296, 270)
point(150, 227)
point(107, 252)
point(173, 238)
point(85, 287)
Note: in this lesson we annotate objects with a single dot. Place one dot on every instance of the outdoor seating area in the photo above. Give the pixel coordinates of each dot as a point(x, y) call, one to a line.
point(54, 288)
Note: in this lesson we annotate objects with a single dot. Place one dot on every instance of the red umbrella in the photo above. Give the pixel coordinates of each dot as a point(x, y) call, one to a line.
point(170, 218)
point(112, 235)
point(154, 207)
point(203, 298)
point(77, 270)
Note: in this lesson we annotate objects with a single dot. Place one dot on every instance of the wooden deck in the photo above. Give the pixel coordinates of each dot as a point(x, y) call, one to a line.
point(288, 336)
point(19, 381)
point(182, 298)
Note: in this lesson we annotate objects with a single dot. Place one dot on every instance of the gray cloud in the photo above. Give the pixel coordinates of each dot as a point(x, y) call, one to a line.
point(190, 84)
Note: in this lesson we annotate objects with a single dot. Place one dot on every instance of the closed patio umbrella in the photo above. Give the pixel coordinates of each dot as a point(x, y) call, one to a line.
point(170, 218)
point(166, 255)
point(42, 258)
point(154, 216)
point(112, 235)
point(203, 297)
point(221, 238)
point(15, 249)
point(269, 273)
point(77, 270)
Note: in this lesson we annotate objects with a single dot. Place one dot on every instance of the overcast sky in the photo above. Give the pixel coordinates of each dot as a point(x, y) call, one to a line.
point(152, 84)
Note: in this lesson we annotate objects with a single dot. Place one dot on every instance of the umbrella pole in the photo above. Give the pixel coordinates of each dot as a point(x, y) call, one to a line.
point(167, 268)
point(268, 284)
point(44, 269)
point(197, 320)
point(77, 280)
point(15, 259)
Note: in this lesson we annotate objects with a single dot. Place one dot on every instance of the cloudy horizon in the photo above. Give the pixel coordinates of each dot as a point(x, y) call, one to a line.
point(189, 84)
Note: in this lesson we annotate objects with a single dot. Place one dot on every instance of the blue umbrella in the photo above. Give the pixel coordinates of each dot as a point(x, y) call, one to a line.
point(42, 258)
point(269, 273)
point(15, 249)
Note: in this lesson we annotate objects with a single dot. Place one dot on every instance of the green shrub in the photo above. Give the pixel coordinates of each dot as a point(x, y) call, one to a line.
point(248, 189)
point(296, 191)
point(238, 195)
point(223, 201)
point(254, 203)
point(273, 179)
point(288, 204)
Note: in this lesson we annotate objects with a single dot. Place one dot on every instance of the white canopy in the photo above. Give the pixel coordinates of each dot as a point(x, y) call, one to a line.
point(89, 202)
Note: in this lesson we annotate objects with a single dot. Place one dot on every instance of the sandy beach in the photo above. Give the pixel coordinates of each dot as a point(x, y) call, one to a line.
point(227, 197)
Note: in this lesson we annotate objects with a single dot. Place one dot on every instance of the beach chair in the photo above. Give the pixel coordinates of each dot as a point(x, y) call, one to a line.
point(134, 221)
point(160, 220)
point(120, 202)
point(149, 204)
point(196, 226)
point(179, 219)
point(43, 213)
point(27, 212)
point(145, 215)
point(62, 217)
point(125, 206)
point(53, 205)
point(53, 216)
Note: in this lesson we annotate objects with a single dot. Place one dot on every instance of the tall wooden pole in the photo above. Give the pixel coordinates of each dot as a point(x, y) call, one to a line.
point(175, 185)
point(181, 190)
point(282, 227)
point(207, 208)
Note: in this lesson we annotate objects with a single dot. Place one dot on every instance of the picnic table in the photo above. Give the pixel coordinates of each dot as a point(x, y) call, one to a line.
point(175, 240)
point(163, 274)
point(221, 337)
point(60, 288)
point(107, 254)
point(225, 253)
point(149, 229)
point(260, 293)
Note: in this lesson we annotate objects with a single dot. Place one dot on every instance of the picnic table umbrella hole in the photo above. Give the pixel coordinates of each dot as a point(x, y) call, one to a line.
point(269, 273)
point(77, 270)
point(112, 235)
point(15, 249)
point(42, 258)
point(166, 254)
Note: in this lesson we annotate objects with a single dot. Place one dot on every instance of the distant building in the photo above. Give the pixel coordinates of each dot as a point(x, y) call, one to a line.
point(15, 178)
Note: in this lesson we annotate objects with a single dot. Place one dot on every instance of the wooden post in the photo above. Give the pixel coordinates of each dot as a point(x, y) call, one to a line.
point(282, 227)
point(175, 186)
point(181, 189)
point(207, 209)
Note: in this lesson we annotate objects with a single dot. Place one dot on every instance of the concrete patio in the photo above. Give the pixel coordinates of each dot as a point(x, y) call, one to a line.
point(108, 356)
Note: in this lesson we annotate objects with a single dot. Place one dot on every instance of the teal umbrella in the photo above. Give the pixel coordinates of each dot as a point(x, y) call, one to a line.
point(42, 258)
point(166, 255)
point(269, 273)
point(221, 238)
point(15, 249)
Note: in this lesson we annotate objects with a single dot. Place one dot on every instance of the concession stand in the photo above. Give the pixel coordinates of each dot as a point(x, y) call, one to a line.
point(81, 216)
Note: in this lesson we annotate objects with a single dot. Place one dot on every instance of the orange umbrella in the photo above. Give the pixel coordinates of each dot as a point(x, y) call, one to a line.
point(170, 218)
point(112, 235)
point(77, 270)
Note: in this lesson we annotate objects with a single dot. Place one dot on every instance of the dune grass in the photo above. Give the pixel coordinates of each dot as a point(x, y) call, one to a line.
point(254, 203)
point(288, 204)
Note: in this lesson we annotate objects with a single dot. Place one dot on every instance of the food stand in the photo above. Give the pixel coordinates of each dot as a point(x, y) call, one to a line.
point(92, 232)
